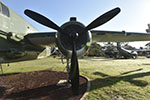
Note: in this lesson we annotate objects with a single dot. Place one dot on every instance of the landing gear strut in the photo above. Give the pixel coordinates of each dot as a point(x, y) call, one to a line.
point(68, 69)
point(65, 82)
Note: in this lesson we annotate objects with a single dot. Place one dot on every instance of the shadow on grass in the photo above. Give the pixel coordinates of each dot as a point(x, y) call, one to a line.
point(100, 74)
point(146, 64)
point(111, 80)
point(132, 71)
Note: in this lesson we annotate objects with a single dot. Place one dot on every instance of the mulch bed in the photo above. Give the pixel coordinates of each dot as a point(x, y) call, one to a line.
point(39, 85)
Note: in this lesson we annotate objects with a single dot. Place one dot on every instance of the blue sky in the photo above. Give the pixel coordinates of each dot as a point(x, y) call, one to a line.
point(134, 15)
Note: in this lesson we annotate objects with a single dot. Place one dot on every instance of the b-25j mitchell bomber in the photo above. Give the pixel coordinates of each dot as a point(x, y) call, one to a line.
point(20, 41)
point(126, 53)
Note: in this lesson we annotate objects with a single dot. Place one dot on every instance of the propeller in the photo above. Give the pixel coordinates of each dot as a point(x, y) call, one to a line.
point(43, 20)
point(74, 69)
point(102, 19)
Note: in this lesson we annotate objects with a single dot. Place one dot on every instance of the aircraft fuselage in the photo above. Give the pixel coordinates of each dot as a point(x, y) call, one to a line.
point(13, 28)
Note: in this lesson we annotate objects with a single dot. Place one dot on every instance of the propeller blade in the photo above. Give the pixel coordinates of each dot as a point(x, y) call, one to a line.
point(74, 71)
point(103, 19)
point(42, 20)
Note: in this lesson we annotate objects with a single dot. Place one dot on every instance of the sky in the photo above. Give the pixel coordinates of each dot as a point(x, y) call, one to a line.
point(134, 15)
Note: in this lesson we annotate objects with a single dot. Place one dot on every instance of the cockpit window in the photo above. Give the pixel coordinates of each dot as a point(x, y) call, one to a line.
point(5, 10)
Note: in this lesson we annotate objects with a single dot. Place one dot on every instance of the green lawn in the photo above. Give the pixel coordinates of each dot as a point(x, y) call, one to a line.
point(110, 79)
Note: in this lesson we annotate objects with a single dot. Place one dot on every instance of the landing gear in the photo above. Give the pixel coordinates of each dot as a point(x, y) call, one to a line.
point(65, 82)
point(72, 78)
point(67, 67)
point(68, 70)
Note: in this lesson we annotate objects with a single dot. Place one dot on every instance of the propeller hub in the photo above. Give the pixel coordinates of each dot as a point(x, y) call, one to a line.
point(74, 35)
point(73, 30)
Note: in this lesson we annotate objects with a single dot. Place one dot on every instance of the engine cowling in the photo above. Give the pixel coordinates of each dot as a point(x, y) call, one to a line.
point(64, 42)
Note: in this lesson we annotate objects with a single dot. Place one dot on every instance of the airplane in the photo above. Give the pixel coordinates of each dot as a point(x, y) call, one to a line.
point(110, 51)
point(120, 52)
point(126, 53)
point(148, 30)
point(20, 41)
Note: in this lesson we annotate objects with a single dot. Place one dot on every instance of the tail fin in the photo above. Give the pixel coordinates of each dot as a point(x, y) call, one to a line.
point(148, 30)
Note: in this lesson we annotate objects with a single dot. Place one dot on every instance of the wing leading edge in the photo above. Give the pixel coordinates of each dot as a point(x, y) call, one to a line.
point(116, 36)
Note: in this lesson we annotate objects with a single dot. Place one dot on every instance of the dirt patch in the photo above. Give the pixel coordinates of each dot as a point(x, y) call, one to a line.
point(39, 85)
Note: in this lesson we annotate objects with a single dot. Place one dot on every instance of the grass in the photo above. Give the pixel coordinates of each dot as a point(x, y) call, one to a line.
point(110, 79)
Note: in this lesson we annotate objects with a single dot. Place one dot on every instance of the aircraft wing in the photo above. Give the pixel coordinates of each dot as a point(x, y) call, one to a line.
point(42, 39)
point(116, 36)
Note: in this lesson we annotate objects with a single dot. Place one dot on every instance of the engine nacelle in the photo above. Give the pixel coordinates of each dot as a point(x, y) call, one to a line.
point(64, 42)
point(13, 53)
